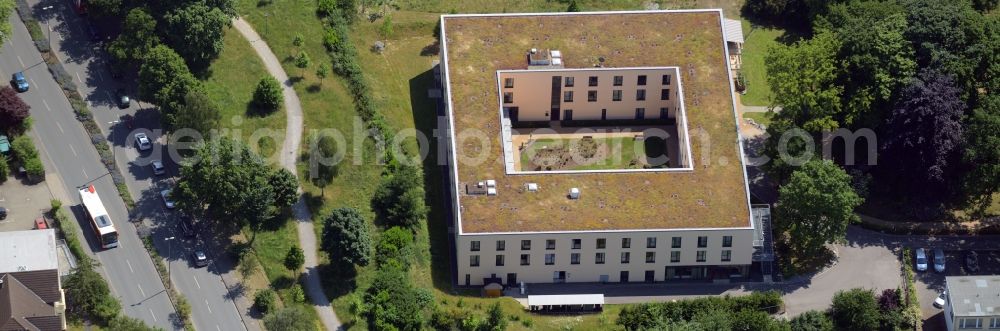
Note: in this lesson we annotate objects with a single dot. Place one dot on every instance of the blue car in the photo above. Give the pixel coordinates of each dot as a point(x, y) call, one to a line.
point(20, 83)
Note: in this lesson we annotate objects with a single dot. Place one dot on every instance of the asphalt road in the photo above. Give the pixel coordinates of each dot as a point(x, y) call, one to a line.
point(67, 151)
point(211, 301)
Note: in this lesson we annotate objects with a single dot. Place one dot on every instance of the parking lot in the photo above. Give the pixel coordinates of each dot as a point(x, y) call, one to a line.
point(24, 203)
point(931, 283)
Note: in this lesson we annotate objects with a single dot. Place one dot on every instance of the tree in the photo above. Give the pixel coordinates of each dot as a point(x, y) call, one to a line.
point(303, 61)
point(949, 35)
point(812, 320)
point(982, 136)
point(641, 317)
point(289, 319)
point(399, 200)
point(285, 187)
point(4, 169)
point(816, 206)
point(13, 111)
point(138, 37)
point(876, 58)
point(268, 94)
point(298, 40)
point(125, 323)
point(346, 237)
point(573, 7)
point(295, 258)
point(985, 5)
point(495, 318)
point(198, 113)
point(394, 303)
point(855, 309)
point(386, 28)
point(803, 79)
point(322, 71)
point(921, 153)
point(88, 293)
point(6, 8)
point(196, 31)
point(265, 300)
point(394, 244)
point(165, 80)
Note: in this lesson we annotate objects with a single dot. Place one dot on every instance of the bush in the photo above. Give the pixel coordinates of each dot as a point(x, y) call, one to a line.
point(34, 169)
point(394, 244)
point(4, 169)
point(295, 258)
point(265, 300)
point(297, 294)
point(855, 309)
point(23, 148)
point(183, 308)
point(326, 8)
point(268, 95)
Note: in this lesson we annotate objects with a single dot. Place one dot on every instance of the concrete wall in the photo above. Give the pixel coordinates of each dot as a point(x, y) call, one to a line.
point(588, 270)
point(532, 93)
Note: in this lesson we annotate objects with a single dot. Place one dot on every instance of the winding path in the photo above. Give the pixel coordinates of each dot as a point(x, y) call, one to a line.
point(293, 138)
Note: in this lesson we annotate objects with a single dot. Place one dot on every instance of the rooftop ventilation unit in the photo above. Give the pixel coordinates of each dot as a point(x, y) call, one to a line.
point(574, 193)
point(491, 183)
point(532, 187)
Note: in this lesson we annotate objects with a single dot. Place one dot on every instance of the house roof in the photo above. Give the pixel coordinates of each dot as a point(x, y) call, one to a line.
point(22, 309)
point(711, 196)
point(28, 250)
point(974, 295)
point(733, 30)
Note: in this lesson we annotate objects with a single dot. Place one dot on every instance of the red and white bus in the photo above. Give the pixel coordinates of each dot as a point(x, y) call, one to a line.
point(107, 235)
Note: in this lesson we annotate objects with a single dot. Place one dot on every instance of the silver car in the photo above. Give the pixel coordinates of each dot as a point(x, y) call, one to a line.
point(938, 260)
point(158, 168)
point(165, 194)
point(143, 142)
point(921, 259)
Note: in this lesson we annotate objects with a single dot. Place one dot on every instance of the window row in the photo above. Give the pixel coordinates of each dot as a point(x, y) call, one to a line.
point(599, 258)
point(602, 243)
point(570, 81)
point(616, 95)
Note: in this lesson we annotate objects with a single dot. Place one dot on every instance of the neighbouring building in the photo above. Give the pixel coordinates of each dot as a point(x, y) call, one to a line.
point(734, 40)
point(972, 302)
point(31, 294)
point(596, 147)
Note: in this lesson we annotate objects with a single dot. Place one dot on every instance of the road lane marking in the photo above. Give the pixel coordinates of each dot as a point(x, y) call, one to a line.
point(129, 266)
point(217, 327)
point(71, 149)
point(154, 315)
point(141, 291)
point(87, 176)
point(60, 127)
point(19, 60)
point(32, 82)
point(196, 282)
point(47, 106)
point(78, 77)
point(208, 306)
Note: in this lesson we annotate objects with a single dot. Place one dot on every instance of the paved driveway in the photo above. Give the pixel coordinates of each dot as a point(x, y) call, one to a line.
point(930, 283)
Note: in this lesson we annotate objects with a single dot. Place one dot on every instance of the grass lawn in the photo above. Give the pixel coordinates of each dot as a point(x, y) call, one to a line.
point(621, 152)
point(760, 118)
point(230, 83)
point(758, 41)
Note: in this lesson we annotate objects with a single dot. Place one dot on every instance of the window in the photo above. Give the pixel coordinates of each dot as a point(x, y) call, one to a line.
point(591, 96)
point(675, 256)
point(626, 242)
point(525, 259)
point(618, 81)
point(650, 242)
point(640, 95)
point(675, 242)
point(550, 244)
point(525, 245)
point(501, 245)
point(574, 258)
point(727, 241)
point(995, 323)
point(664, 113)
point(508, 82)
point(474, 260)
point(642, 80)
point(650, 257)
point(665, 94)
point(616, 95)
point(601, 243)
point(568, 82)
point(568, 96)
point(567, 114)
point(702, 241)
point(592, 81)
point(550, 259)
point(970, 323)
point(577, 243)
point(475, 245)
point(508, 97)
point(499, 260)
point(640, 113)
point(666, 79)
point(599, 258)
point(727, 255)
point(625, 257)
point(700, 257)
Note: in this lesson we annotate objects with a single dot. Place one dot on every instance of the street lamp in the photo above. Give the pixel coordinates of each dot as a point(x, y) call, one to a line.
point(169, 254)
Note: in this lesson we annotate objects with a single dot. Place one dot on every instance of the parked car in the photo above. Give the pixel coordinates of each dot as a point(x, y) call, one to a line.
point(938, 260)
point(921, 259)
point(165, 194)
point(122, 99)
point(187, 226)
point(939, 302)
point(158, 168)
point(972, 262)
point(3, 213)
point(4, 145)
point(143, 142)
point(20, 83)
point(199, 258)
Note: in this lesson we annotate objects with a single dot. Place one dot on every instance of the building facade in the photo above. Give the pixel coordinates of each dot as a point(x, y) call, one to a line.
point(610, 226)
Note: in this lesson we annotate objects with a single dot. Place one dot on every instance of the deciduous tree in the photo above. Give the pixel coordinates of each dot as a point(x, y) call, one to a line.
point(13, 111)
point(165, 80)
point(138, 37)
point(198, 113)
point(982, 153)
point(812, 320)
point(803, 78)
point(399, 200)
point(6, 9)
point(855, 309)
point(289, 319)
point(268, 95)
point(394, 303)
point(816, 206)
point(295, 258)
point(346, 237)
point(949, 35)
point(195, 31)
